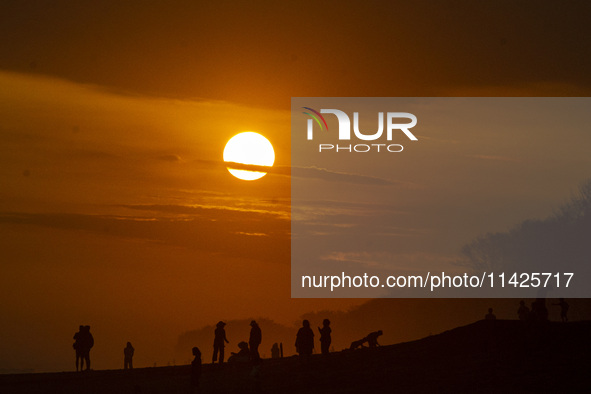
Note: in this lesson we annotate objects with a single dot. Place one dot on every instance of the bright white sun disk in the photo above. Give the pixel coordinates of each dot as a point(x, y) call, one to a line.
point(249, 148)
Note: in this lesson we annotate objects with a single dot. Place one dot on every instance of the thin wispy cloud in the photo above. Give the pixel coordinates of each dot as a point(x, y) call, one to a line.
point(319, 173)
point(200, 209)
point(335, 176)
point(496, 158)
point(244, 235)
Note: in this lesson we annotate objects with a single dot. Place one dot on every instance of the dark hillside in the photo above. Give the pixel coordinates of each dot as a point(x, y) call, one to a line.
point(486, 356)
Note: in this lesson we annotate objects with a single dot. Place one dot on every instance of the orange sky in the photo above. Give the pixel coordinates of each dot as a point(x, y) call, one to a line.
point(121, 211)
point(115, 208)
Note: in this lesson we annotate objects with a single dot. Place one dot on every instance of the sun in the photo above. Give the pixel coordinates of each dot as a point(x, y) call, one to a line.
point(249, 148)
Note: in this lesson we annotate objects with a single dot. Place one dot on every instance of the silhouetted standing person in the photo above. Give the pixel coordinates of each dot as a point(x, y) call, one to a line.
point(195, 369)
point(128, 356)
point(78, 347)
point(305, 340)
point(219, 342)
point(86, 343)
point(539, 312)
point(255, 340)
point(372, 338)
point(490, 315)
point(325, 338)
point(563, 309)
point(523, 311)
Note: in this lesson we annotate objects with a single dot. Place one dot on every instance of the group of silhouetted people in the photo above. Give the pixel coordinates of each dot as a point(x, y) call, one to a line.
point(248, 351)
point(537, 313)
point(83, 342)
point(305, 338)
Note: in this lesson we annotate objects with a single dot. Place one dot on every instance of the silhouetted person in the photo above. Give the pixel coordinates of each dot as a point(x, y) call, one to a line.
point(254, 341)
point(78, 348)
point(325, 338)
point(128, 356)
point(523, 311)
point(85, 343)
point(539, 312)
point(219, 342)
point(275, 351)
point(195, 369)
point(358, 344)
point(242, 356)
point(563, 309)
point(305, 340)
point(490, 315)
point(372, 338)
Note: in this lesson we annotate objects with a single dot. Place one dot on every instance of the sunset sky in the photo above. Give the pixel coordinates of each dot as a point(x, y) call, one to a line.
point(116, 209)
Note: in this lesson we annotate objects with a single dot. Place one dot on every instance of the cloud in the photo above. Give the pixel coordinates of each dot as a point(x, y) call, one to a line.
point(335, 176)
point(497, 158)
point(212, 210)
point(213, 230)
point(496, 47)
point(397, 262)
point(171, 158)
point(313, 172)
point(280, 170)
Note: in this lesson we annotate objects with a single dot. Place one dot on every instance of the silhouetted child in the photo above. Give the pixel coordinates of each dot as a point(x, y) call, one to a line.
point(325, 337)
point(372, 338)
point(490, 315)
point(255, 340)
point(275, 351)
point(305, 340)
point(195, 369)
point(523, 311)
point(128, 356)
point(219, 342)
point(243, 356)
point(563, 309)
